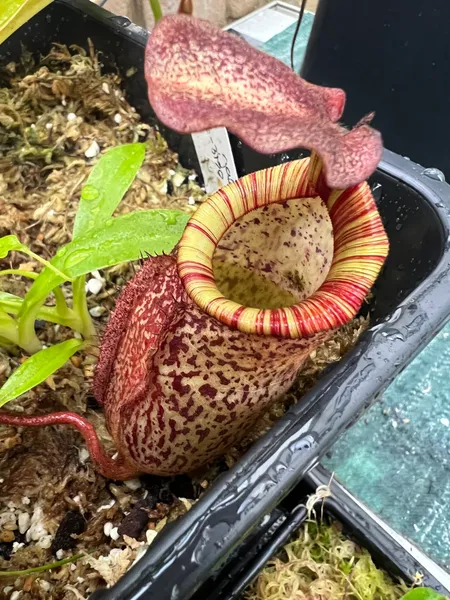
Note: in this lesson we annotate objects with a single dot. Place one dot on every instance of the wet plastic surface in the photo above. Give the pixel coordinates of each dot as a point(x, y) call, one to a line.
point(411, 304)
point(394, 555)
point(405, 438)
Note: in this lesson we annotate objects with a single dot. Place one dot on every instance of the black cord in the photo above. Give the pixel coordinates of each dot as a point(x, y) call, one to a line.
point(297, 29)
point(102, 2)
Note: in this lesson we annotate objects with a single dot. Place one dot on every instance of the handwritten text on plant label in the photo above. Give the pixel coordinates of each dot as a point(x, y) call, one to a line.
point(215, 157)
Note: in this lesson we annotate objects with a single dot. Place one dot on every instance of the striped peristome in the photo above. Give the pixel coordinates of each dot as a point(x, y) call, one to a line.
point(360, 248)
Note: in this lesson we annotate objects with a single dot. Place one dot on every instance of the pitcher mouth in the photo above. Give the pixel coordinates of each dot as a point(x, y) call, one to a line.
point(360, 249)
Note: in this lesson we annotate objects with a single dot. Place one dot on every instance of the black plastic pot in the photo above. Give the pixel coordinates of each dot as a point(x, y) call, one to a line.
point(411, 304)
point(389, 551)
point(391, 58)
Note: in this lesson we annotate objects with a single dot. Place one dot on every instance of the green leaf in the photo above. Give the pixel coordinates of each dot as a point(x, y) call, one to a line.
point(423, 594)
point(37, 368)
point(122, 239)
point(15, 13)
point(18, 272)
point(106, 185)
point(156, 9)
point(8, 243)
point(12, 304)
point(8, 328)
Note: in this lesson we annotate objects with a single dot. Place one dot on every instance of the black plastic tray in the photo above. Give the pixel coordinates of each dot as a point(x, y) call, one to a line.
point(389, 551)
point(390, 57)
point(411, 304)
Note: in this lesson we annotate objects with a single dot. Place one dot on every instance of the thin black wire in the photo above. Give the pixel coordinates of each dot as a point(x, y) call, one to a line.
point(297, 29)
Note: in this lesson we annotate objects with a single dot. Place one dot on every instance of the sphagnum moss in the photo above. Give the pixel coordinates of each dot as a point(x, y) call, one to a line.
point(322, 564)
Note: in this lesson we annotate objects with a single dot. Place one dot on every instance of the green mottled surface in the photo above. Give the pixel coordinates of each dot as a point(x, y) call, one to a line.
point(397, 457)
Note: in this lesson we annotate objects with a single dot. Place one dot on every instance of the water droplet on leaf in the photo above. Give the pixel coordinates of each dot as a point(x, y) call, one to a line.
point(171, 219)
point(75, 258)
point(89, 192)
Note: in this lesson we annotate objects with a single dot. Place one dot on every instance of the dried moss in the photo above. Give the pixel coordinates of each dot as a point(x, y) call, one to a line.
point(322, 564)
point(50, 114)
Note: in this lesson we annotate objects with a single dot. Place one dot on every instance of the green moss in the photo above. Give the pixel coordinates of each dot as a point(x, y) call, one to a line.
point(322, 564)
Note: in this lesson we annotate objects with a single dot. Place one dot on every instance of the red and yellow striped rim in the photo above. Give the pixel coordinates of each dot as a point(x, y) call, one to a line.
point(360, 249)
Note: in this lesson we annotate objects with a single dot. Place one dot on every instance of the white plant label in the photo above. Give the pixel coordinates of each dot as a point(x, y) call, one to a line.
point(215, 157)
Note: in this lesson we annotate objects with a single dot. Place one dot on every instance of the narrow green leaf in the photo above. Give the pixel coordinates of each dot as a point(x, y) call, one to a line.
point(122, 239)
point(15, 13)
point(8, 328)
point(106, 185)
point(18, 272)
point(156, 10)
point(37, 368)
point(36, 296)
point(12, 304)
point(423, 594)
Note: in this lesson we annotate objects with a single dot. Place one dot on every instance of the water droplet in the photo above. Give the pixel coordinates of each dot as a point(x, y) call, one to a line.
point(171, 219)
point(89, 192)
point(75, 258)
point(416, 323)
point(109, 222)
point(168, 217)
point(119, 20)
point(393, 334)
point(95, 210)
point(398, 227)
point(48, 18)
point(434, 173)
point(377, 191)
